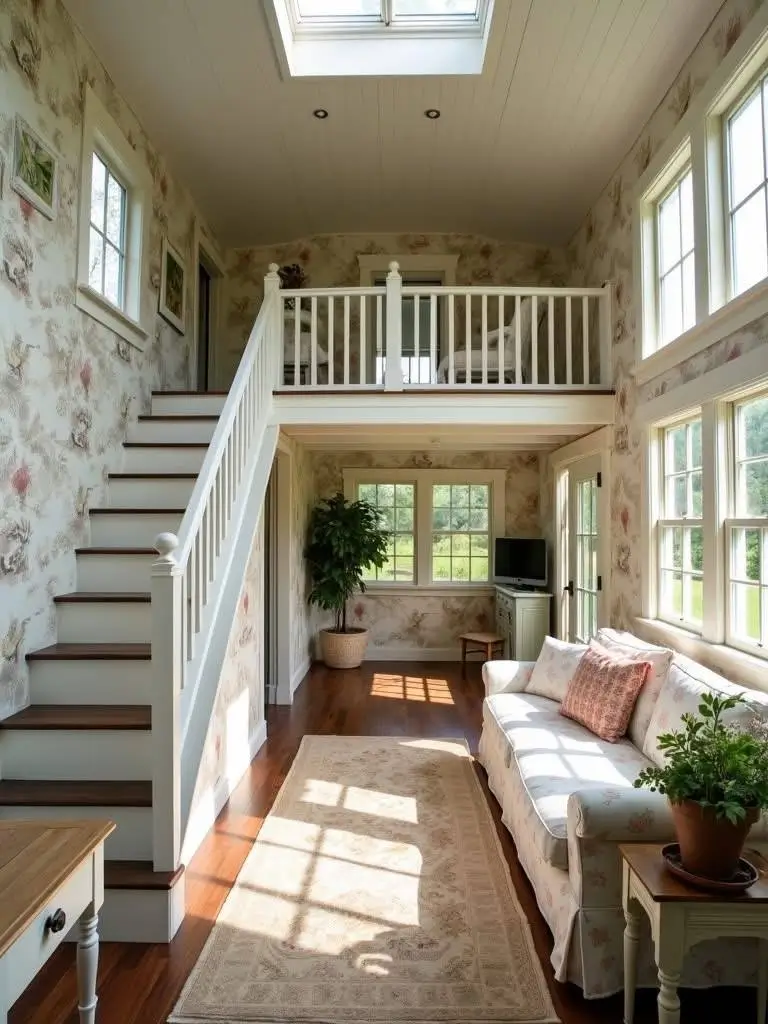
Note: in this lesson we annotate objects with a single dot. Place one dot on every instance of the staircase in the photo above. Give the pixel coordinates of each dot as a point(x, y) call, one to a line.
point(83, 748)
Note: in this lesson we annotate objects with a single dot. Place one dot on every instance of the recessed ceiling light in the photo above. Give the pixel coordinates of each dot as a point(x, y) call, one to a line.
point(320, 114)
point(433, 113)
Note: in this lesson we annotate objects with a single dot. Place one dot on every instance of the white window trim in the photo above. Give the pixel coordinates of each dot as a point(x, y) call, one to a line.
point(372, 267)
point(711, 394)
point(423, 479)
point(700, 129)
point(101, 133)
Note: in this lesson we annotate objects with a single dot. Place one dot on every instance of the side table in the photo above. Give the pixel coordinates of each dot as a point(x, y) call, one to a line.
point(682, 916)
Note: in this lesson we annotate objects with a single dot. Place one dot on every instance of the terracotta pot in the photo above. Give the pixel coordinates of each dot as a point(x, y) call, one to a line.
point(343, 650)
point(710, 847)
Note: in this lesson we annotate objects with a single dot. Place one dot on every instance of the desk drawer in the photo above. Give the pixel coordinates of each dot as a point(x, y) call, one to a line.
point(21, 961)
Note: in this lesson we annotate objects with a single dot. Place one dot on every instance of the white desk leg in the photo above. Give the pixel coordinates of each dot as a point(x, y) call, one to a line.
point(87, 965)
point(762, 979)
point(631, 943)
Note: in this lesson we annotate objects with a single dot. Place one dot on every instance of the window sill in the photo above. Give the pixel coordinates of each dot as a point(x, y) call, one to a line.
point(734, 315)
point(429, 590)
point(745, 669)
point(107, 313)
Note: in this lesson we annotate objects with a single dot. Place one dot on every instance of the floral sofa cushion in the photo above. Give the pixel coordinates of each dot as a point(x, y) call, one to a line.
point(555, 757)
point(660, 658)
point(555, 668)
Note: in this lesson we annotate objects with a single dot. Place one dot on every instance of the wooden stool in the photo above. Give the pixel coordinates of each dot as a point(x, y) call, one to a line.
point(486, 642)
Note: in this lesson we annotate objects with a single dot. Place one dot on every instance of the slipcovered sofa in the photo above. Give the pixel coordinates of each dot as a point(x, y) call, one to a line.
point(567, 798)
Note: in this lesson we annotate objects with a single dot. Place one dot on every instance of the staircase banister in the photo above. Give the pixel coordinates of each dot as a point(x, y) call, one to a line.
point(495, 290)
point(192, 519)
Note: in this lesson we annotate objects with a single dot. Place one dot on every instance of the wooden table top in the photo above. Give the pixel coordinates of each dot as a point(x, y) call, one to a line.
point(647, 863)
point(36, 858)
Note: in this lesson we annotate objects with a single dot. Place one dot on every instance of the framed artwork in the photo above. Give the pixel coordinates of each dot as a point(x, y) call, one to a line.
point(173, 287)
point(34, 170)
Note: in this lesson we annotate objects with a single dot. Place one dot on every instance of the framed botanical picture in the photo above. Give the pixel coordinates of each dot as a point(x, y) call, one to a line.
point(34, 170)
point(173, 287)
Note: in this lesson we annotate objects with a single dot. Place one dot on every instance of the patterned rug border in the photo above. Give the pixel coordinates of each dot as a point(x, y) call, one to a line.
point(318, 739)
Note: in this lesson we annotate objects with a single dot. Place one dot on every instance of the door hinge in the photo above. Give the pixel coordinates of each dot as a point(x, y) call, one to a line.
point(569, 588)
point(599, 479)
point(599, 583)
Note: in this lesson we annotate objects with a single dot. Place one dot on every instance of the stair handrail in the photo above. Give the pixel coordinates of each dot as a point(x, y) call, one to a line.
point(184, 578)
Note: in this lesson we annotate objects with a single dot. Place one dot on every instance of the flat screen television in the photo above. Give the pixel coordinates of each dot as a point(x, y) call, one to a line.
point(520, 561)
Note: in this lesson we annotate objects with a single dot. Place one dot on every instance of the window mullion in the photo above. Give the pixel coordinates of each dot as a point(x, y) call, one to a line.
point(713, 504)
point(423, 526)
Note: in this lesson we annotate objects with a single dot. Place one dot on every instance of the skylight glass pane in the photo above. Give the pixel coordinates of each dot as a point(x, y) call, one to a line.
point(436, 8)
point(339, 8)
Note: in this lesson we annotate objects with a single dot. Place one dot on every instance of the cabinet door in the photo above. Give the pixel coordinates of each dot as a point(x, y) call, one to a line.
point(530, 628)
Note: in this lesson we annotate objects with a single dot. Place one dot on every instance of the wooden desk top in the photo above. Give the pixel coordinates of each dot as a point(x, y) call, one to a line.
point(647, 863)
point(36, 858)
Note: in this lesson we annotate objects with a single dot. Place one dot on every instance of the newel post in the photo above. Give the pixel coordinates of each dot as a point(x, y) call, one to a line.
point(167, 678)
point(393, 376)
point(276, 348)
point(606, 334)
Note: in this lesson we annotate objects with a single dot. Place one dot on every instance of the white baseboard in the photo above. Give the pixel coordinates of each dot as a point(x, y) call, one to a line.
point(207, 811)
point(414, 654)
point(142, 915)
point(299, 674)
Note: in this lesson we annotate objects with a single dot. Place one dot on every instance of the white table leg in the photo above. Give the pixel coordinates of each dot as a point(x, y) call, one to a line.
point(762, 979)
point(87, 965)
point(670, 947)
point(631, 943)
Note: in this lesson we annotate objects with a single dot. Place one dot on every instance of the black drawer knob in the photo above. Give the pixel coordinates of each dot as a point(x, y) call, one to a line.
point(56, 921)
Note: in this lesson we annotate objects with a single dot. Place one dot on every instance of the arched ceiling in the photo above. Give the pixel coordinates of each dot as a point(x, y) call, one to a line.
point(519, 153)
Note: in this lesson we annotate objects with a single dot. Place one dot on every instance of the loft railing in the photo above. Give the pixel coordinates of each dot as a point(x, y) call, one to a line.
point(399, 337)
point(190, 577)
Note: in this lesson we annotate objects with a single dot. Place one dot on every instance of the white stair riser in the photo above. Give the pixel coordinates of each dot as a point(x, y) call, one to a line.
point(90, 682)
point(158, 493)
point(187, 405)
point(131, 530)
point(122, 573)
point(186, 431)
point(141, 915)
point(81, 754)
point(163, 460)
point(98, 622)
point(131, 840)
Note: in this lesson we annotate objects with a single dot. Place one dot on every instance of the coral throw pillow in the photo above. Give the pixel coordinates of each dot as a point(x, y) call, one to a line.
point(603, 692)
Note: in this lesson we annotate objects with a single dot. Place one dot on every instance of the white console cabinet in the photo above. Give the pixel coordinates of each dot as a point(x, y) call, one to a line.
point(522, 618)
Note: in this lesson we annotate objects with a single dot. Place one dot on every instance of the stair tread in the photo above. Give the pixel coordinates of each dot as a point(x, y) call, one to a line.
point(76, 793)
point(166, 444)
point(115, 551)
point(107, 596)
point(121, 510)
point(80, 716)
point(179, 418)
point(92, 652)
point(153, 476)
point(138, 874)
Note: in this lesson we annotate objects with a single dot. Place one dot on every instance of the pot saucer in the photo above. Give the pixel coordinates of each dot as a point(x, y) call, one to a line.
point(745, 875)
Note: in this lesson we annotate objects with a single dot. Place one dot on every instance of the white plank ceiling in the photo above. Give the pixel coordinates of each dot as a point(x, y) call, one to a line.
point(520, 152)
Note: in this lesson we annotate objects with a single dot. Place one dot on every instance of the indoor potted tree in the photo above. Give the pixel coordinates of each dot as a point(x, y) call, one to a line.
point(344, 538)
point(715, 777)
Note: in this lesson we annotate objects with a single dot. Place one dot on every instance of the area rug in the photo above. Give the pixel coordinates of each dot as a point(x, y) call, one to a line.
point(376, 891)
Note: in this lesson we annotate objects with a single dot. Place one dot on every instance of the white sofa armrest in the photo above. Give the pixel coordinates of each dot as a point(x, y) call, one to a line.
point(597, 821)
point(506, 676)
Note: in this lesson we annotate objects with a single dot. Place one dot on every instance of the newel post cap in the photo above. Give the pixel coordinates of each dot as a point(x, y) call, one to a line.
point(165, 545)
point(394, 268)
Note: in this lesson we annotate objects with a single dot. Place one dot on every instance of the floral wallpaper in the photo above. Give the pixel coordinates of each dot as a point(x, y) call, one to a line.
point(423, 622)
point(331, 261)
point(603, 249)
point(68, 386)
point(302, 499)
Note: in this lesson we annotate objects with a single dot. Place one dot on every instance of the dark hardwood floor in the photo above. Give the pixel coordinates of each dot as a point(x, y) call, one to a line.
point(140, 984)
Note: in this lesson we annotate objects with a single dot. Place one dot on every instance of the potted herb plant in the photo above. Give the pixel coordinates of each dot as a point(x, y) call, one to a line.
point(715, 777)
point(344, 538)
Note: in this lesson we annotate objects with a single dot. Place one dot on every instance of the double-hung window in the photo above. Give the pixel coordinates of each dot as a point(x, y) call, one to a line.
point(676, 288)
point(747, 531)
point(106, 251)
point(746, 139)
point(441, 523)
point(680, 533)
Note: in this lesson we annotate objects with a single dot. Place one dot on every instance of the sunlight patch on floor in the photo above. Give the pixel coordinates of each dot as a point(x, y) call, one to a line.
point(418, 689)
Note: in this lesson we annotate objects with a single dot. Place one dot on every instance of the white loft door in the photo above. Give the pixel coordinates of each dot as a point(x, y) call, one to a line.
point(584, 570)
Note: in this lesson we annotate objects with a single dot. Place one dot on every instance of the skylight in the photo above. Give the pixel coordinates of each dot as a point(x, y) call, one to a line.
point(380, 37)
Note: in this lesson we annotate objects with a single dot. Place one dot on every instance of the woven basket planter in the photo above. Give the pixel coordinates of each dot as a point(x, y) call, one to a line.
point(343, 650)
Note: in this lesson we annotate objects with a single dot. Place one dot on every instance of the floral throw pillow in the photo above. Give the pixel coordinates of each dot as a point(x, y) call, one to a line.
point(603, 692)
point(555, 668)
point(625, 645)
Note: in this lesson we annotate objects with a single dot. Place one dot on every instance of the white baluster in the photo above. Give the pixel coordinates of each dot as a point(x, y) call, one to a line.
point(313, 341)
point(568, 341)
point(346, 340)
point(534, 339)
point(433, 338)
point(393, 378)
point(551, 333)
point(484, 337)
point(502, 353)
point(416, 346)
point(380, 354)
point(200, 575)
point(192, 587)
point(451, 331)
point(606, 334)
point(296, 341)
point(585, 334)
point(518, 342)
point(363, 341)
point(331, 328)
point(468, 340)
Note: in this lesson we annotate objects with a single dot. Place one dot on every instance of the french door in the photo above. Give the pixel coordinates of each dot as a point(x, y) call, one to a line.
point(584, 572)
